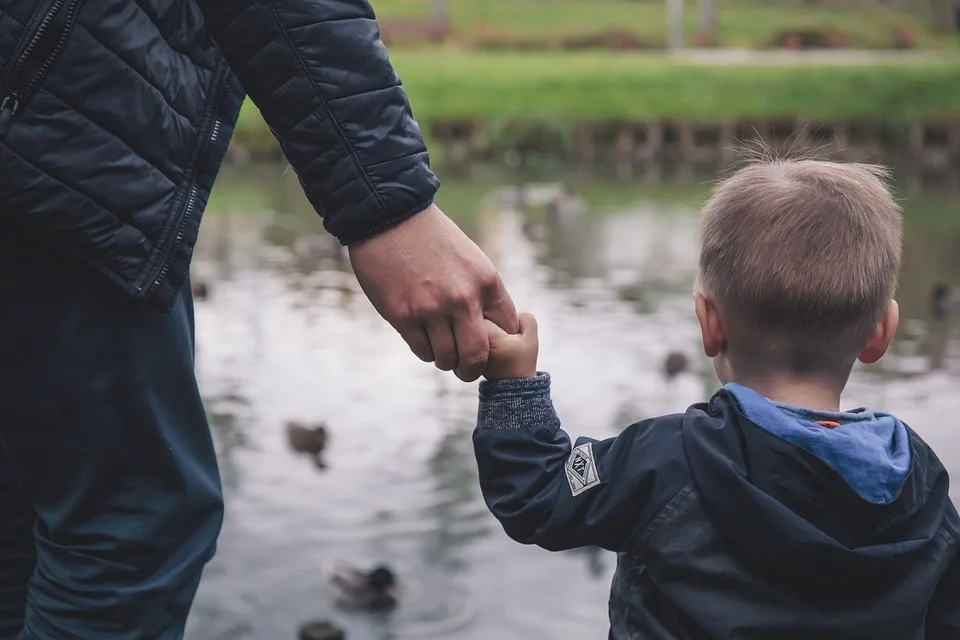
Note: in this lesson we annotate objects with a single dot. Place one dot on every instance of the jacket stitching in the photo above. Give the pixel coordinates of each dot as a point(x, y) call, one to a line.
point(364, 93)
point(332, 21)
point(633, 583)
point(14, 19)
point(398, 158)
point(307, 114)
point(63, 185)
point(672, 506)
point(948, 537)
point(326, 107)
point(332, 192)
point(167, 42)
point(259, 50)
point(227, 24)
point(325, 155)
point(68, 187)
point(172, 180)
point(192, 171)
point(395, 219)
point(139, 74)
point(64, 189)
point(125, 63)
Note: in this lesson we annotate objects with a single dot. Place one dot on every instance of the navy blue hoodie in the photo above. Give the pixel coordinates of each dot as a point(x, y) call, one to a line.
point(738, 519)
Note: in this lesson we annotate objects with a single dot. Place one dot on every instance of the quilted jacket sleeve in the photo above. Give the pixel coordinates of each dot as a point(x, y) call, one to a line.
point(320, 75)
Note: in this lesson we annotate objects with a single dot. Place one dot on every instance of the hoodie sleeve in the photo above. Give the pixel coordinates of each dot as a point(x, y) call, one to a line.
point(943, 614)
point(322, 80)
point(547, 491)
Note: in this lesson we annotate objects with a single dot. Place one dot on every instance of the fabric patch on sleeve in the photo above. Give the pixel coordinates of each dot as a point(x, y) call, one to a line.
point(581, 468)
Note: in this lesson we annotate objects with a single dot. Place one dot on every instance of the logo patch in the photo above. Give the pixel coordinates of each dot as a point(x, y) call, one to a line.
point(581, 469)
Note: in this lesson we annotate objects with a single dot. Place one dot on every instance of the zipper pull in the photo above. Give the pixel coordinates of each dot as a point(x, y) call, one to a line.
point(8, 109)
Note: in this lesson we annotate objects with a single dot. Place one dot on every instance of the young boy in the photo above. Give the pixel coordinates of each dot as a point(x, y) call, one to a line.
point(767, 512)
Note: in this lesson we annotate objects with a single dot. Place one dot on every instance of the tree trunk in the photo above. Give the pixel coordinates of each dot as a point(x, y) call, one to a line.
point(675, 23)
point(708, 16)
point(941, 14)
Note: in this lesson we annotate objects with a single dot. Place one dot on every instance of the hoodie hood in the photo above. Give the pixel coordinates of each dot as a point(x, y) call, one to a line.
point(870, 451)
point(829, 509)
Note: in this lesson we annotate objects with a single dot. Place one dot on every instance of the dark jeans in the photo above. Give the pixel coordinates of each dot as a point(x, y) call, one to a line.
point(110, 499)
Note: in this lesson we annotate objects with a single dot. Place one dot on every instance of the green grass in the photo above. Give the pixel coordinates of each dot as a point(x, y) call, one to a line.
point(604, 87)
point(740, 24)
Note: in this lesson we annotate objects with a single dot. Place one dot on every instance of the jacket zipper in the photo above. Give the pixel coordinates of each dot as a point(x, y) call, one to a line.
point(36, 59)
point(188, 210)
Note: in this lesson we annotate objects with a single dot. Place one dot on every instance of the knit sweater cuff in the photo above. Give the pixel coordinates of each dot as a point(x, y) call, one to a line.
point(519, 403)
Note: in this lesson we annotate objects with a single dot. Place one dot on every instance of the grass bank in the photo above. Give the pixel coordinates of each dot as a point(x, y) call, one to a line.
point(452, 85)
point(743, 23)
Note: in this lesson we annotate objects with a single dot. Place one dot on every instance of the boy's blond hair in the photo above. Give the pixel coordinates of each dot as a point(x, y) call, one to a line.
point(802, 258)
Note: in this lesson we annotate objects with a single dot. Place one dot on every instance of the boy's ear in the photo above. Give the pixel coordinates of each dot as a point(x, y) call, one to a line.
point(711, 327)
point(882, 334)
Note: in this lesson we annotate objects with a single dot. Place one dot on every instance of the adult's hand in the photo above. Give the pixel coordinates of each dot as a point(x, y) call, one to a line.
point(435, 286)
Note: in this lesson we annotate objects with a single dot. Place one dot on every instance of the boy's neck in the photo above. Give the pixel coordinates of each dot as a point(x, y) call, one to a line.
point(819, 395)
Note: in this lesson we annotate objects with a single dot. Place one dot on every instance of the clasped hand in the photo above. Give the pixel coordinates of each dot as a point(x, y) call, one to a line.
point(437, 288)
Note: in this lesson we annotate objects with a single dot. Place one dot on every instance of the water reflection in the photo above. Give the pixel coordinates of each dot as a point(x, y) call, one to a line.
point(286, 334)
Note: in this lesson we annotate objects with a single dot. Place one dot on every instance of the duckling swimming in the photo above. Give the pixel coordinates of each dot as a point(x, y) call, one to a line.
point(310, 440)
point(321, 631)
point(675, 364)
point(374, 590)
point(200, 289)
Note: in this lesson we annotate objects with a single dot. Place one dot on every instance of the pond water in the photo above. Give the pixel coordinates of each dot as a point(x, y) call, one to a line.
point(285, 334)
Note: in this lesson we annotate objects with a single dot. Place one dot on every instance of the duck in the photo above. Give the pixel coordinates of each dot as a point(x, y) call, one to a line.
point(309, 440)
point(675, 364)
point(377, 589)
point(200, 289)
point(634, 292)
point(944, 300)
point(321, 631)
point(595, 564)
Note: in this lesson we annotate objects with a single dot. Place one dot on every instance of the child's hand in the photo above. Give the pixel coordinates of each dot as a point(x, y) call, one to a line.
point(513, 356)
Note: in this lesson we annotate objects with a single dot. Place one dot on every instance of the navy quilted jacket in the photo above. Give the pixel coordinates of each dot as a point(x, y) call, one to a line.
point(116, 115)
